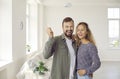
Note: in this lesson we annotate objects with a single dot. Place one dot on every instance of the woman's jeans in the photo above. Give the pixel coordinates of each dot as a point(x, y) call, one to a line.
point(83, 77)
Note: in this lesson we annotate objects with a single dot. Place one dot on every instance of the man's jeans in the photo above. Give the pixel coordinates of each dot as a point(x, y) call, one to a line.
point(83, 77)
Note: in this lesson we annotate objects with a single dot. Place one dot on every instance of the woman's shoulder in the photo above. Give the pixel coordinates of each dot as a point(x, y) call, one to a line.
point(91, 45)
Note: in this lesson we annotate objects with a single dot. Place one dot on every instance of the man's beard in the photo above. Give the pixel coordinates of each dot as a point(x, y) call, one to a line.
point(70, 34)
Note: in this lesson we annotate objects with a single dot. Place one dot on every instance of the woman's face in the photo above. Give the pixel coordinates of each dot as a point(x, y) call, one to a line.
point(81, 32)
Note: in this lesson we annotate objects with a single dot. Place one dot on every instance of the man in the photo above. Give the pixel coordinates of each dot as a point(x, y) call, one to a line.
point(63, 50)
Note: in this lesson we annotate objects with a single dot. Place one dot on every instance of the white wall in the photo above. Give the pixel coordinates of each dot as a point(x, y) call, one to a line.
point(94, 14)
point(18, 15)
point(19, 39)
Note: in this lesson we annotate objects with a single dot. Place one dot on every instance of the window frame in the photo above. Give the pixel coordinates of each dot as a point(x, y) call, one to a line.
point(30, 47)
point(108, 19)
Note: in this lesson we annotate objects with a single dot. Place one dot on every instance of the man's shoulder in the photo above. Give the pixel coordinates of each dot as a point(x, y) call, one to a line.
point(58, 37)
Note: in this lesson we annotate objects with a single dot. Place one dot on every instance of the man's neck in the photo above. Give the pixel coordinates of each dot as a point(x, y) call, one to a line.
point(68, 37)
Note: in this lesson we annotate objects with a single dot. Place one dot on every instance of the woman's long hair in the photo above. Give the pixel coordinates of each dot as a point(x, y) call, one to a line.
point(89, 35)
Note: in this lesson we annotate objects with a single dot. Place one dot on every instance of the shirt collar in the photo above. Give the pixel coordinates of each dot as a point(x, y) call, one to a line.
point(63, 38)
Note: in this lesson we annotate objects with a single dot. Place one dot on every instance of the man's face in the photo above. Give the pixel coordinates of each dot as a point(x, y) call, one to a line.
point(68, 28)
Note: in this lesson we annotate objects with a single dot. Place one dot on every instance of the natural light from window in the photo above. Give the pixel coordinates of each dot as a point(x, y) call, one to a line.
point(114, 27)
point(5, 31)
point(31, 26)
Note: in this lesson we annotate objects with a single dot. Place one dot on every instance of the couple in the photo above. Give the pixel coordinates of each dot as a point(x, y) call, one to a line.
point(74, 56)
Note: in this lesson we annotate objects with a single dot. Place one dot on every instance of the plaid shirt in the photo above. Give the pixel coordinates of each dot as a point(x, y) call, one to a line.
point(87, 58)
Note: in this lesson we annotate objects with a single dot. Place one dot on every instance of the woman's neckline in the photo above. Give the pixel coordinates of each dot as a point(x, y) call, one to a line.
point(85, 43)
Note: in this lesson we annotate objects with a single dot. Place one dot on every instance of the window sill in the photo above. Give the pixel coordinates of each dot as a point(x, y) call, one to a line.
point(114, 48)
point(4, 63)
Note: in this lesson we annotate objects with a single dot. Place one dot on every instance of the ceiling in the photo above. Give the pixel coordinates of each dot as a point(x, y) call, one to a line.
point(77, 2)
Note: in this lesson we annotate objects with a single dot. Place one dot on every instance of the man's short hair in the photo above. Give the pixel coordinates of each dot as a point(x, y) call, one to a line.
point(67, 19)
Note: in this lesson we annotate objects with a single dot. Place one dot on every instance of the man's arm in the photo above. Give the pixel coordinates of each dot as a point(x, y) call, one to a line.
point(49, 48)
point(50, 44)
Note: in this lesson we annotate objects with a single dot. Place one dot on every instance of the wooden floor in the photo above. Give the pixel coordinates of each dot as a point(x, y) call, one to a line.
point(108, 70)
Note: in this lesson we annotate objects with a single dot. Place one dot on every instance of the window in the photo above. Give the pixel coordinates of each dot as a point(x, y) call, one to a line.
point(31, 26)
point(114, 27)
point(5, 31)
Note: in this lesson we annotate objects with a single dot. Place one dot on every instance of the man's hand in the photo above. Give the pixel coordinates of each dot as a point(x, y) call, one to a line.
point(82, 72)
point(50, 32)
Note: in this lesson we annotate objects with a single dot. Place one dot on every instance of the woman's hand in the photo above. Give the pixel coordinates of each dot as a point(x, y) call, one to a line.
point(82, 72)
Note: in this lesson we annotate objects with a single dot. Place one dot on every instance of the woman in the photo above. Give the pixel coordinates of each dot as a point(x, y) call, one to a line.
point(87, 56)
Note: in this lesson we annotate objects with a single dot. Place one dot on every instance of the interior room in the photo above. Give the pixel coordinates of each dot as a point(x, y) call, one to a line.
point(23, 25)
